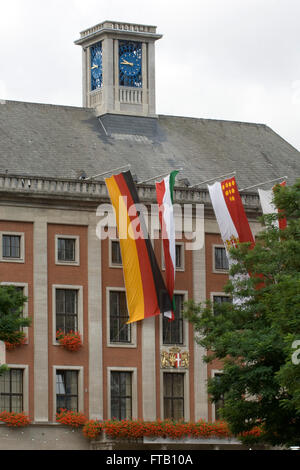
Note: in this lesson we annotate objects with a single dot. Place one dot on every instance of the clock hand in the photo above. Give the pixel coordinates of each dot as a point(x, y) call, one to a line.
point(126, 63)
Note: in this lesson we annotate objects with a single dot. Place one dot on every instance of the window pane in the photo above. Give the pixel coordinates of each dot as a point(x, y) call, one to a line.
point(60, 387)
point(178, 412)
point(66, 249)
point(4, 403)
point(67, 390)
point(178, 385)
point(174, 396)
point(173, 330)
point(11, 391)
point(119, 330)
point(17, 403)
point(178, 249)
point(121, 395)
point(11, 246)
point(114, 408)
point(221, 260)
point(16, 381)
point(6, 245)
point(60, 301)
point(167, 408)
point(66, 309)
point(115, 253)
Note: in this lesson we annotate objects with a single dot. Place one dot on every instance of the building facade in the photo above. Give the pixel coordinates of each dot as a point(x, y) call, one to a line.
point(52, 246)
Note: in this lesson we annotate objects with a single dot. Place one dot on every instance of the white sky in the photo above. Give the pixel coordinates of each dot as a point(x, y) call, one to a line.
point(220, 59)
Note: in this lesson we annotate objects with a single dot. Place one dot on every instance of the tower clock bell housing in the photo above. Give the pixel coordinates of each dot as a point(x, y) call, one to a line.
point(119, 68)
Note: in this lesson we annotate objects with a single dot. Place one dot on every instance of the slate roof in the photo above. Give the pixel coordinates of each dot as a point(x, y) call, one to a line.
point(63, 141)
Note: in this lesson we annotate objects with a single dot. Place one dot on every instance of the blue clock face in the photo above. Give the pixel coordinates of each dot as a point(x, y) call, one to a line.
point(96, 66)
point(130, 64)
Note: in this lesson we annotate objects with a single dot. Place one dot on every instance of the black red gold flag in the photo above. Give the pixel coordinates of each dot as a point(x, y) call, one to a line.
point(145, 288)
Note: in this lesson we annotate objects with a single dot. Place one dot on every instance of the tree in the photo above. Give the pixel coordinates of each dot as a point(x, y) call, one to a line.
point(255, 336)
point(11, 318)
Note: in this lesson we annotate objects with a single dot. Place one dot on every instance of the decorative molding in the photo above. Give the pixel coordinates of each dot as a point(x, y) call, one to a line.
point(96, 190)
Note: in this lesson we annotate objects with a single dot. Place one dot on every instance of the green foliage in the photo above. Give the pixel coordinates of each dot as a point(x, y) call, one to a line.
point(254, 336)
point(11, 319)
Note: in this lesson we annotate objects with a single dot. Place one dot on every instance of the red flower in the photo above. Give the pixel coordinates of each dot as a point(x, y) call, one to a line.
point(70, 341)
point(71, 418)
point(13, 419)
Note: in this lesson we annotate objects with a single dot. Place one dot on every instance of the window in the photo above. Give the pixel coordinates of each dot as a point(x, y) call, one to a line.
point(67, 390)
point(120, 332)
point(220, 403)
point(220, 299)
point(173, 330)
point(66, 249)
point(121, 395)
point(173, 395)
point(11, 391)
point(11, 246)
point(66, 310)
point(220, 259)
point(179, 256)
point(116, 258)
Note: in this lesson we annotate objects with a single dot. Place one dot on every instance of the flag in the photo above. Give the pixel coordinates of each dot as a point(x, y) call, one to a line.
point(146, 292)
point(268, 207)
point(164, 193)
point(230, 214)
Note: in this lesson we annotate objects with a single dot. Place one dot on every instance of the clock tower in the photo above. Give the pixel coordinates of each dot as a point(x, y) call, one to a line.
point(119, 68)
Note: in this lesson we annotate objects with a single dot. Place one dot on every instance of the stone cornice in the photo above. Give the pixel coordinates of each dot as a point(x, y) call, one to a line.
point(84, 192)
point(117, 28)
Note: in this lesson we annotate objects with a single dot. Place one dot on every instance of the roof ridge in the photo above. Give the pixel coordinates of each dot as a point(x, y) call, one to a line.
point(54, 105)
point(214, 119)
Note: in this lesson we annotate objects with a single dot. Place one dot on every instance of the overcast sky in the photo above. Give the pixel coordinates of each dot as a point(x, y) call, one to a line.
point(219, 59)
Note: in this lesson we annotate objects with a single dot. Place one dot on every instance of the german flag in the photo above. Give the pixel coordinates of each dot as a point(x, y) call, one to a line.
point(145, 288)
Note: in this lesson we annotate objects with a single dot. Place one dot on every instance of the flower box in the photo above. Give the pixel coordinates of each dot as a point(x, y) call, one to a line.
point(70, 341)
point(16, 420)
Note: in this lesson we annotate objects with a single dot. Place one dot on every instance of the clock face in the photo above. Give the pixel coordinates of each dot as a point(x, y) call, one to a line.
point(96, 66)
point(130, 64)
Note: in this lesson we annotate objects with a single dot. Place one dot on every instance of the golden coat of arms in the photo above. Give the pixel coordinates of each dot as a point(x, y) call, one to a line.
point(174, 358)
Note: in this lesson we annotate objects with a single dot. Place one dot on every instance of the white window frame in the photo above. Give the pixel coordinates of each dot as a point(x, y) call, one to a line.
point(22, 247)
point(76, 262)
point(185, 324)
point(186, 391)
point(133, 343)
point(215, 270)
point(25, 308)
point(25, 369)
point(213, 405)
point(110, 263)
point(80, 370)
point(213, 294)
point(79, 289)
point(134, 391)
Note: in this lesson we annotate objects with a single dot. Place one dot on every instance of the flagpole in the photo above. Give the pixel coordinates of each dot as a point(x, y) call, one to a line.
point(158, 176)
point(109, 171)
point(213, 179)
point(260, 184)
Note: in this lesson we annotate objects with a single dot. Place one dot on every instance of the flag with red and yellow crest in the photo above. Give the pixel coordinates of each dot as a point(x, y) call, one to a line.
point(230, 213)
